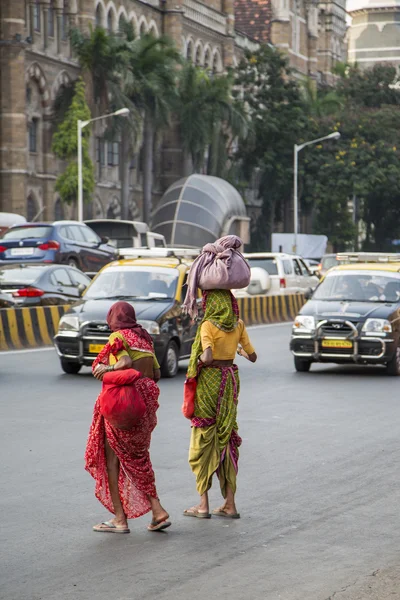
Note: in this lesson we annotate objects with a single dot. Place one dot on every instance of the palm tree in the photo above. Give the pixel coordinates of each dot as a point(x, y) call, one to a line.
point(319, 103)
point(104, 58)
point(207, 117)
point(151, 87)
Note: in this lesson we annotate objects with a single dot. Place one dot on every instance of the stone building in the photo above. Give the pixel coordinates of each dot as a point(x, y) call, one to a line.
point(374, 34)
point(311, 32)
point(36, 61)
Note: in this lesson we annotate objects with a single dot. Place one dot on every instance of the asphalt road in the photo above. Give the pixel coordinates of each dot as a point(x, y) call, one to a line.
point(319, 488)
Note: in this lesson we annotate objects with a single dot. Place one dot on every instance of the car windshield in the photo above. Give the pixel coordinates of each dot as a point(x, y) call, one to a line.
point(22, 233)
point(20, 275)
point(329, 261)
point(359, 286)
point(269, 264)
point(146, 283)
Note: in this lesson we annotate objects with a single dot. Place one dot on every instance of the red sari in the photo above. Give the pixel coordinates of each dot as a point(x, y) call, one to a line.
point(136, 476)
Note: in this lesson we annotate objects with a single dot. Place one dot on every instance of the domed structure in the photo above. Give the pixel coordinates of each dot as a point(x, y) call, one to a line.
point(199, 209)
point(374, 35)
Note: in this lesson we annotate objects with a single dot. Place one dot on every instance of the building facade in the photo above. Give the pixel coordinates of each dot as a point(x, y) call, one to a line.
point(36, 62)
point(310, 32)
point(374, 34)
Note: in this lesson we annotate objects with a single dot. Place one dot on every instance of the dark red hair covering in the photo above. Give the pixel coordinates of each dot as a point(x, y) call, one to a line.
point(122, 316)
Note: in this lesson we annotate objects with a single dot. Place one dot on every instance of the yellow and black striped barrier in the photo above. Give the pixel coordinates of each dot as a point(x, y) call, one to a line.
point(270, 309)
point(29, 327)
point(34, 327)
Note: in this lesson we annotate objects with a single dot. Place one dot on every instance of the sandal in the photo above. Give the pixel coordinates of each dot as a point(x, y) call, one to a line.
point(159, 525)
point(108, 527)
point(221, 512)
point(194, 512)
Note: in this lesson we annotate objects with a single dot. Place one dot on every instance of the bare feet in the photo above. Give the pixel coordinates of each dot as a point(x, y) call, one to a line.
point(226, 510)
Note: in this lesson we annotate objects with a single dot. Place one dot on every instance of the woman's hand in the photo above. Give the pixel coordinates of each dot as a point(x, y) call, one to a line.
point(157, 375)
point(100, 371)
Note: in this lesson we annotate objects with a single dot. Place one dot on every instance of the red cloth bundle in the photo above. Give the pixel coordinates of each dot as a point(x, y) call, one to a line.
point(120, 402)
point(189, 396)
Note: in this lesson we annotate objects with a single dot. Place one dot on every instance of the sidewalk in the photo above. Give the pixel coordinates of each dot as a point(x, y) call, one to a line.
point(382, 584)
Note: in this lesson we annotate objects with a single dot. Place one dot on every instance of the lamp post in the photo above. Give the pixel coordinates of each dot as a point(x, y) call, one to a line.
point(122, 112)
point(297, 148)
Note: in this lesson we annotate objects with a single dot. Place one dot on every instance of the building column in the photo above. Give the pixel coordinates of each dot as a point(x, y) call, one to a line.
point(13, 132)
point(46, 5)
point(172, 156)
point(85, 14)
point(228, 8)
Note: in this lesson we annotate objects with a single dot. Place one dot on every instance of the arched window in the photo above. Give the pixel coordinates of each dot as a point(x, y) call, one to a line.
point(99, 16)
point(36, 16)
point(31, 208)
point(121, 23)
point(58, 210)
point(110, 21)
point(208, 60)
point(199, 56)
point(189, 51)
point(143, 29)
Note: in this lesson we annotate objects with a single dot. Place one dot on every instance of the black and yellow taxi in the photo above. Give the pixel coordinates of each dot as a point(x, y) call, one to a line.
point(353, 316)
point(156, 288)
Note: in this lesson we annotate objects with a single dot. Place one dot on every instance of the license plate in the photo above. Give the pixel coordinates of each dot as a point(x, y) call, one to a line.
point(336, 344)
point(22, 251)
point(95, 348)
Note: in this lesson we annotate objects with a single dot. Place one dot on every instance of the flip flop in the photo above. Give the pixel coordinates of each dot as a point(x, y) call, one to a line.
point(159, 525)
point(110, 528)
point(220, 512)
point(190, 512)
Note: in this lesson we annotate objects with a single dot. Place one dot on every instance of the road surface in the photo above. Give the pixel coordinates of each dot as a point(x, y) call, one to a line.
point(319, 488)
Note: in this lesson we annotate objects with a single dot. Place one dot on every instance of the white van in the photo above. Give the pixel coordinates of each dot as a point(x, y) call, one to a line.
point(127, 234)
point(275, 273)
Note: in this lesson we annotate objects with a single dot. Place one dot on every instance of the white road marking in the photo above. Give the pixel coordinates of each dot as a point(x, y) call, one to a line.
point(47, 349)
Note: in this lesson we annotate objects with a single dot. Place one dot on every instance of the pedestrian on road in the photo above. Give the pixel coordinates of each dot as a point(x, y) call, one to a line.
point(214, 444)
point(119, 459)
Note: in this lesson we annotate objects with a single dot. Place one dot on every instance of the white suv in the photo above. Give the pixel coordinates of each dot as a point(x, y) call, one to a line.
point(277, 273)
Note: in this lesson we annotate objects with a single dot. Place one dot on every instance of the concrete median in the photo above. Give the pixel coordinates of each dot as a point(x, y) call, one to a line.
point(22, 328)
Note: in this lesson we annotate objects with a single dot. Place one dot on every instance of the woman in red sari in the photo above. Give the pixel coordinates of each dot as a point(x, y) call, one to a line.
point(119, 459)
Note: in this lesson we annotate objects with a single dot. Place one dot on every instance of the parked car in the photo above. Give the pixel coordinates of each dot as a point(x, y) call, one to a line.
point(63, 242)
point(284, 274)
point(352, 317)
point(156, 288)
point(40, 285)
point(127, 234)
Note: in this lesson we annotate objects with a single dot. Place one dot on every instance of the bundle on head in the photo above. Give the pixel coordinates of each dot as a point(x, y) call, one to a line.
point(220, 266)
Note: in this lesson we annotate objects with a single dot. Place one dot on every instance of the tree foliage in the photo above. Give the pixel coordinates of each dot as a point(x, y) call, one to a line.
point(65, 147)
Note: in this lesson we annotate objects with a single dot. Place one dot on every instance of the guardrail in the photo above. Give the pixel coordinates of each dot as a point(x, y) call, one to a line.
point(35, 327)
point(29, 327)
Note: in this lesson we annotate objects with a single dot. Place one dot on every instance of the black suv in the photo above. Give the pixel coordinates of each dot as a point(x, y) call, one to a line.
point(352, 317)
point(155, 287)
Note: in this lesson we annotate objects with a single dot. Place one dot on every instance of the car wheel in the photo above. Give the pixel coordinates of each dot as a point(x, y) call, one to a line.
point(73, 263)
point(170, 364)
point(393, 366)
point(70, 368)
point(301, 365)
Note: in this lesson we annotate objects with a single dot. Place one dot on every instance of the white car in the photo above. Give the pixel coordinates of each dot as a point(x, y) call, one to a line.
point(277, 273)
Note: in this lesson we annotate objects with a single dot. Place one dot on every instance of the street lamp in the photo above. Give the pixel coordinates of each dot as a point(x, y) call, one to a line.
point(297, 148)
point(122, 112)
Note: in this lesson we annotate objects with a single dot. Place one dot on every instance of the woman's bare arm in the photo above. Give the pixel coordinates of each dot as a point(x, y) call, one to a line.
point(251, 357)
point(125, 362)
point(207, 357)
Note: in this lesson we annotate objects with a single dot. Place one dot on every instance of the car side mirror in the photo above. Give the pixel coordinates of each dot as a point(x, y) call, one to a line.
point(105, 239)
point(308, 294)
point(81, 288)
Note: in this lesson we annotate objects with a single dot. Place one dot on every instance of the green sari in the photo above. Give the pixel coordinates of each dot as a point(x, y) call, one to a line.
point(214, 444)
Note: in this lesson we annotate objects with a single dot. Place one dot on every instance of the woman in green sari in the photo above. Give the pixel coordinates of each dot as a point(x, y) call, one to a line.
point(214, 444)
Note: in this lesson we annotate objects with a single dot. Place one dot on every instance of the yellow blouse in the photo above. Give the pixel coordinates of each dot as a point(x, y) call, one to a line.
point(134, 354)
point(224, 345)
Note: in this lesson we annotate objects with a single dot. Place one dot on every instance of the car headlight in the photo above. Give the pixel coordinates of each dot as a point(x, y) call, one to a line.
point(68, 323)
point(151, 327)
point(304, 323)
point(377, 326)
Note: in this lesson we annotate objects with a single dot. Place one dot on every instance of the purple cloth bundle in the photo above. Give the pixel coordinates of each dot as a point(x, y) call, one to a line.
point(220, 266)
